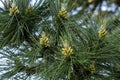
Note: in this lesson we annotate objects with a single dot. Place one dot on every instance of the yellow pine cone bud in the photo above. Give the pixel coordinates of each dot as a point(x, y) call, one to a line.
point(67, 51)
point(28, 10)
point(44, 40)
point(90, 1)
point(63, 14)
point(102, 32)
point(92, 68)
point(13, 9)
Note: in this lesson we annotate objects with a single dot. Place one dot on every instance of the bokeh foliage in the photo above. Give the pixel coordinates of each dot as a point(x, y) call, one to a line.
point(90, 57)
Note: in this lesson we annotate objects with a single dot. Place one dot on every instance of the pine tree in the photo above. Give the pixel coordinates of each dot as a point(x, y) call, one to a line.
point(44, 41)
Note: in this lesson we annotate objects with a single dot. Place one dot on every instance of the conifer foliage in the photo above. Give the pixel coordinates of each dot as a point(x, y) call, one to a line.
point(44, 41)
